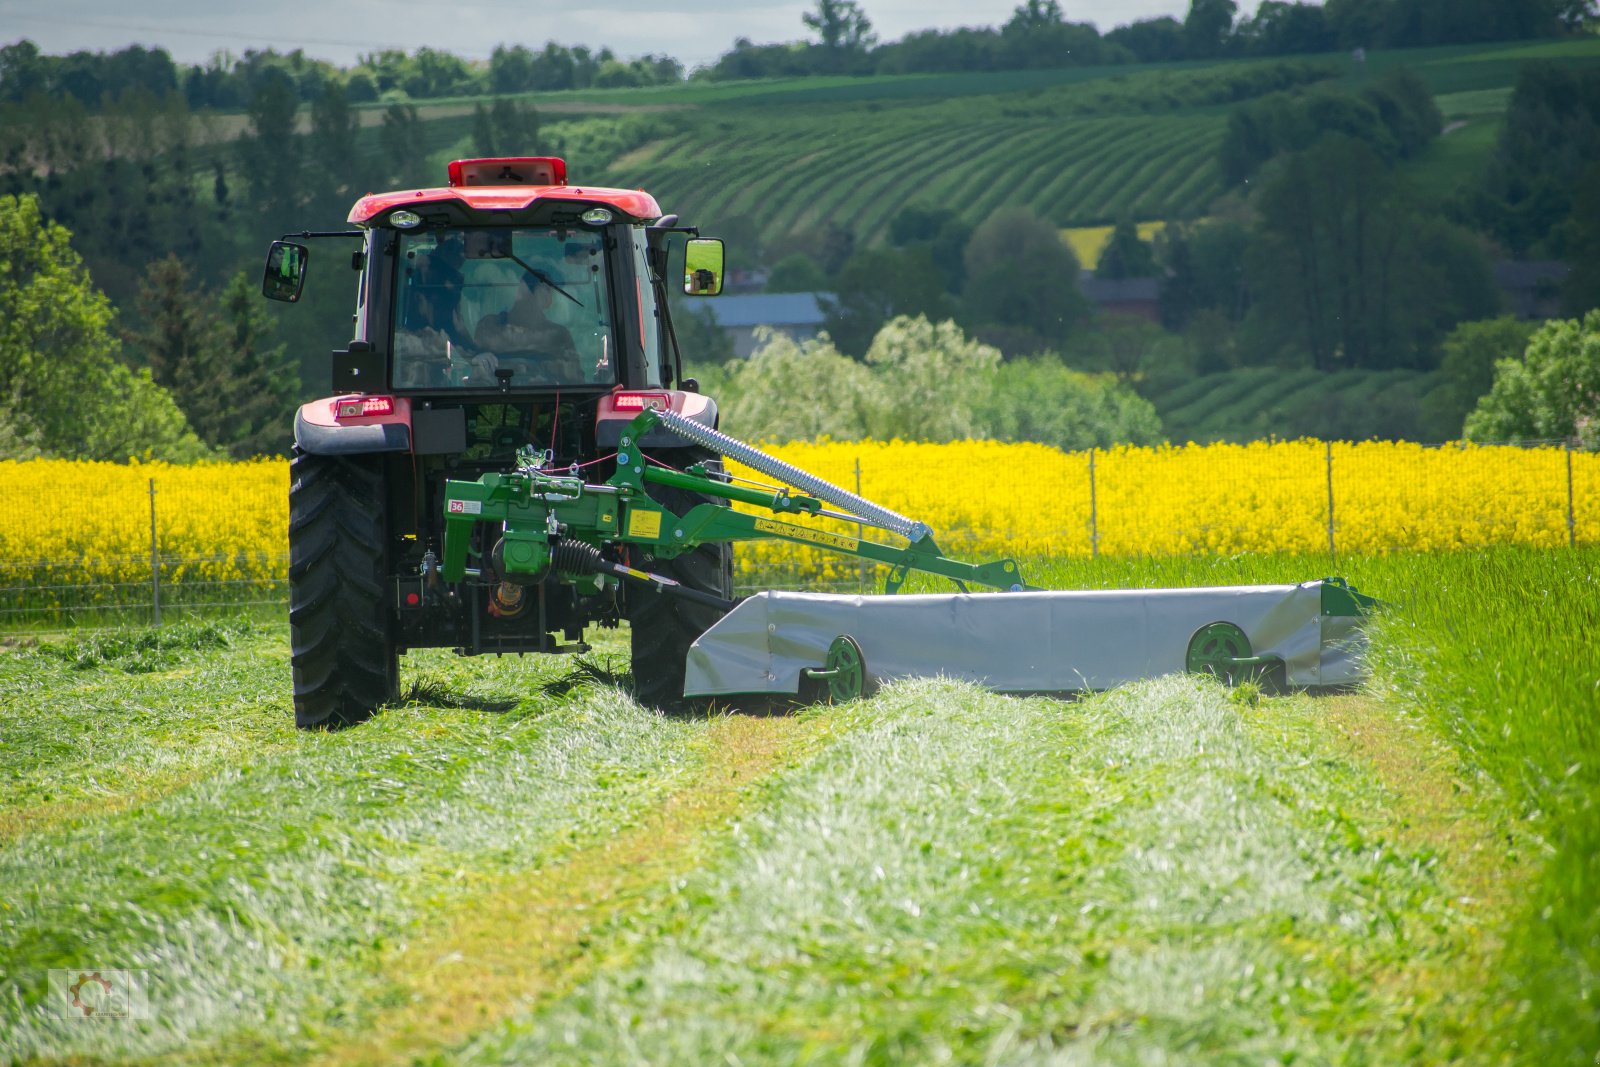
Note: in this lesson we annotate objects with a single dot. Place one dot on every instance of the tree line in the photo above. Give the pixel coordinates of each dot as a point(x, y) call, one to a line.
point(1039, 35)
point(229, 82)
point(842, 41)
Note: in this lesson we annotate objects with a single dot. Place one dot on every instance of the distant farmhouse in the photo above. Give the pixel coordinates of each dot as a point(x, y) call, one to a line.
point(797, 315)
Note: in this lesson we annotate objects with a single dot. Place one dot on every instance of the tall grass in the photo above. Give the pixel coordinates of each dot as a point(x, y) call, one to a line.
point(1498, 649)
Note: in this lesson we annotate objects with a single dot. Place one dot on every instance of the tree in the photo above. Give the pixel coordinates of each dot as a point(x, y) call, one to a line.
point(1466, 371)
point(1550, 136)
point(1041, 399)
point(843, 29)
point(875, 286)
point(483, 140)
point(333, 136)
point(1132, 349)
point(516, 129)
point(1022, 283)
point(926, 381)
point(269, 152)
point(69, 394)
point(700, 339)
point(209, 353)
point(761, 391)
point(1344, 269)
point(931, 378)
point(1553, 391)
point(1126, 255)
point(260, 381)
point(797, 273)
point(1157, 40)
point(1208, 26)
point(1280, 28)
point(403, 145)
point(510, 69)
point(23, 71)
point(1582, 290)
point(435, 73)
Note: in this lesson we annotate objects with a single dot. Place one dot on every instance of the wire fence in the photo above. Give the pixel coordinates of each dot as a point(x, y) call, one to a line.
point(86, 544)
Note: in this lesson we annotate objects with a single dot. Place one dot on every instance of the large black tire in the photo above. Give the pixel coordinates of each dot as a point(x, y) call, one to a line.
point(664, 626)
point(340, 630)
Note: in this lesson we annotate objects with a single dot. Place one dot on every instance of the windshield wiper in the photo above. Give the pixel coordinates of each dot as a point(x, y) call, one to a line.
point(543, 277)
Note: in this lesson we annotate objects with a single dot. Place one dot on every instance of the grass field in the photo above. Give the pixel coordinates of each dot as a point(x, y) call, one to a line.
point(519, 864)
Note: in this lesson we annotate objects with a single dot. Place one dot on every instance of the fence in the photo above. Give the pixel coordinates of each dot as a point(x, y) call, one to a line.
point(87, 543)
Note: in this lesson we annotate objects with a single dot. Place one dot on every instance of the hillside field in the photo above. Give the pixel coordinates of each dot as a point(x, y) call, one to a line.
point(520, 864)
point(1083, 147)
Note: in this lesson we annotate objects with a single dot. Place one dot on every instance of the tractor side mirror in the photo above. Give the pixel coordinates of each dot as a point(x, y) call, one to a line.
point(285, 275)
point(703, 266)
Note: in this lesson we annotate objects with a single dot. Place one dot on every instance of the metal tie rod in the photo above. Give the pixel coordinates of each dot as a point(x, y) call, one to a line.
point(752, 457)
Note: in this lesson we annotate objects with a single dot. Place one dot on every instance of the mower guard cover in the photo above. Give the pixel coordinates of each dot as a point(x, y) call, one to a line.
point(1026, 642)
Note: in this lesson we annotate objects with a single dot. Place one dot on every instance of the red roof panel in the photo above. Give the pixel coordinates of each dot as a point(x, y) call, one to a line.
point(634, 203)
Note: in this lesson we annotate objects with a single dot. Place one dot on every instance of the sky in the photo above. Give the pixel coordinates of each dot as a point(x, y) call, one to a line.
point(341, 30)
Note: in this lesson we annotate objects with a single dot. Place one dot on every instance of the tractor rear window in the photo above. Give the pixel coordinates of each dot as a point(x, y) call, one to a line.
point(476, 303)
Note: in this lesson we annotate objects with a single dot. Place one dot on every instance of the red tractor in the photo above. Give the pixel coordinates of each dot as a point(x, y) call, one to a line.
point(502, 313)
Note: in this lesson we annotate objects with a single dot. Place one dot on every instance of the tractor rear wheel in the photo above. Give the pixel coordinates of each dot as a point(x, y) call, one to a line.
point(664, 626)
point(343, 651)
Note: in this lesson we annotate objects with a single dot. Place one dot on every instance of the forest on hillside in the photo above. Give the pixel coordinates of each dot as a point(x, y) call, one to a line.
point(1297, 236)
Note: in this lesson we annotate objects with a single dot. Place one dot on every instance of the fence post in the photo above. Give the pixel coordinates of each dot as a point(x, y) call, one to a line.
point(1332, 553)
point(155, 560)
point(861, 564)
point(1094, 517)
point(1572, 516)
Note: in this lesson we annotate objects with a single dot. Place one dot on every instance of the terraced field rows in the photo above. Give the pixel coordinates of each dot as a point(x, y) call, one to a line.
point(856, 172)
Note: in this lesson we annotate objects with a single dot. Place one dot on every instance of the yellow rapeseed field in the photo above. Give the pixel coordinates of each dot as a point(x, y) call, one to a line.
point(65, 523)
point(986, 500)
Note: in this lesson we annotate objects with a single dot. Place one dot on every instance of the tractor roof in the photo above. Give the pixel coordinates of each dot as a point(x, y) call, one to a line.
point(512, 185)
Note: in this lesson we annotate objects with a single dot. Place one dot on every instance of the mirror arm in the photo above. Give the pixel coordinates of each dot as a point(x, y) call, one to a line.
point(325, 233)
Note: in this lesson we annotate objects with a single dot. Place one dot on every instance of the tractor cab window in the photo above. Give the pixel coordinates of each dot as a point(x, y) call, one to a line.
point(473, 304)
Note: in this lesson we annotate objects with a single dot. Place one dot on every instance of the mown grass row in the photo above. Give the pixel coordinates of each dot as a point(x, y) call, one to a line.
point(1162, 874)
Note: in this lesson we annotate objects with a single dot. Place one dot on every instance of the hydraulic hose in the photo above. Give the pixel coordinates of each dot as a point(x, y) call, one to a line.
point(752, 457)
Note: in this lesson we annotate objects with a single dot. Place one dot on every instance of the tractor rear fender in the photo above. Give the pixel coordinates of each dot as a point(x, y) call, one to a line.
point(619, 408)
point(320, 430)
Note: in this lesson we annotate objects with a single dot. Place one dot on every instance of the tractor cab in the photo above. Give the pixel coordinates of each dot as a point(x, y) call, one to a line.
point(506, 280)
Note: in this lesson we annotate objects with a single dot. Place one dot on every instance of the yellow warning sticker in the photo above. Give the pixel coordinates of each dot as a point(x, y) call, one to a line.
point(800, 533)
point(645, 525)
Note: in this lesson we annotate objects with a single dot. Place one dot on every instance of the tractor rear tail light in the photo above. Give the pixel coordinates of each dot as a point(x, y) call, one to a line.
point(640, 401)
point(357, 407)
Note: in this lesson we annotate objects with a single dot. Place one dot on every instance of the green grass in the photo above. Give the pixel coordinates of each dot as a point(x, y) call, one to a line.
point(258, 876)
point(1170, 872)
point(1145, 876)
